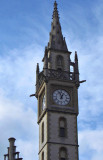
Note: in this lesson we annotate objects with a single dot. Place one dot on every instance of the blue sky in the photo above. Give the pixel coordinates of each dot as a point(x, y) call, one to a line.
point(24, 33)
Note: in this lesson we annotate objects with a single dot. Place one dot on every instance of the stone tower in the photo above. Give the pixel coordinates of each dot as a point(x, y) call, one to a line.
point(57, 95)
point(12, 153)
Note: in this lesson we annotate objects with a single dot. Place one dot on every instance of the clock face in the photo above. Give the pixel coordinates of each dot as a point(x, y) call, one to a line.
point(61, 97)
point(43, 102)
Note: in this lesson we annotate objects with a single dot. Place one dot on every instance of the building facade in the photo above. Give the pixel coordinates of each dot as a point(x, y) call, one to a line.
point(57, 95)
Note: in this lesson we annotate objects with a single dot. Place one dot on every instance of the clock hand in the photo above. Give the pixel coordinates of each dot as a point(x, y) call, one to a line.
point(61, 96)
point(60, 93)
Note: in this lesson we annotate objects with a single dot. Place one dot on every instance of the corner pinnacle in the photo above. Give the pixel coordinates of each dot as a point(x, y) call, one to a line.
point(76, 57)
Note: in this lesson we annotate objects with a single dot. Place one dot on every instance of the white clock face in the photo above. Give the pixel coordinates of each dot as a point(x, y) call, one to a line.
point(43, 102)
point(61, 97)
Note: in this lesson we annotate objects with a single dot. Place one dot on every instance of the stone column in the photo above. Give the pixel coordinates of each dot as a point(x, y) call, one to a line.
point(11, 148)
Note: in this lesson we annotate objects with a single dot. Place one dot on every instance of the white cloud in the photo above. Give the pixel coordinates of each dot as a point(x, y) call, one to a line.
point(91, 141)
point(19, 122)
point(17, 71)
point(17, 82)
point(18, 117)
point(28, 149)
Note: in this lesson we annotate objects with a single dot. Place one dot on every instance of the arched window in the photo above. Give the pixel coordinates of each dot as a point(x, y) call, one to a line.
point(43, 103)
point(62, 127)
point(63, 153)
point(42, 155)
point(59, 62)
point(42, 132)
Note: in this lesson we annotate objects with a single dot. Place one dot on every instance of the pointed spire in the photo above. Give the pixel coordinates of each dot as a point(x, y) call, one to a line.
point(76, 56)
point(55, 12)
point(37, 72)
point(46, 58)
point(76, 69)
point(56, 39)
point(37, 68)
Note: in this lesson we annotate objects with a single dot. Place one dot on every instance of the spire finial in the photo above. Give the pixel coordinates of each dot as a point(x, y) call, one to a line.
point(55, 12)
point(55, 4)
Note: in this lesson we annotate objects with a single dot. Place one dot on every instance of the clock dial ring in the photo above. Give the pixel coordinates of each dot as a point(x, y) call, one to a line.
point(61, 97)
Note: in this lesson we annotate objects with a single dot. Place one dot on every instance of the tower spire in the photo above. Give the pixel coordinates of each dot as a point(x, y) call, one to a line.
point(55, 12)
point(56, 39)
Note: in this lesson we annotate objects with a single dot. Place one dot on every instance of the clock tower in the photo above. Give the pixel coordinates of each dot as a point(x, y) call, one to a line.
point(57, 95)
